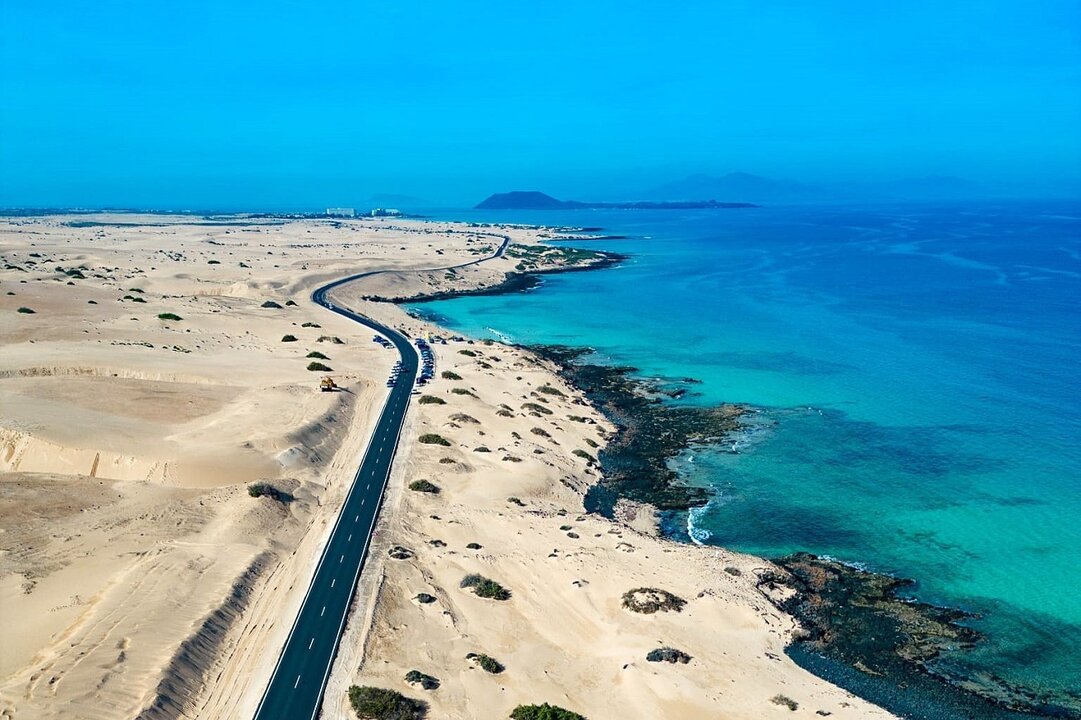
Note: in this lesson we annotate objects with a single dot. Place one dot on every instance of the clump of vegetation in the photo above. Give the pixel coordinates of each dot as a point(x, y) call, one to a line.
point(481, 449)
point(371, 703)
point(272, 305)
point(448, 375)
point(319, 367)
point(502, 412)
point(467, 353)
point(577, 418)
point(583, 454)
point(485, 587)
point(133, 298)
point(213, 262)
point(473, 546)
point(462, 417)
point(425, 486)
point(549, 390)
point(667, 654)
point(289, 338)
point(262, 489)
point(425, 598)
point(291, 303)
point(462, 391)
point(786, 701)
point(447, 461)
point(434, 439)
point(416, 677)
point(331, 339)
point(647, 601)
point(400, 553)
point(169, 316)
point(732, 570)
point(317, 355)
point(311, 325)
point(537, 408)
point(431, 400)
point(487, 663)
point(511, 458)
point(26, 311)
point(592, 443)
point(544, 712)
point(516, 501)
point(541, 432)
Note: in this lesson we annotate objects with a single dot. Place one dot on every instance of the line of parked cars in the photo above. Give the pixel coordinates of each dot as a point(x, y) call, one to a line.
point(427, 357)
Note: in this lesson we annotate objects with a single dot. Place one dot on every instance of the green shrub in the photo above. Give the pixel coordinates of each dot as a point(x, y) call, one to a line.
point(487, 663)
point(468, 353)
point(583, 454)
point(416, 677)
point(271, 304)
point(317, 355)
point(318, 367)
point(786, 701)
point(289, 338)
point(544, 712)
point(26, 311)
point(370, 703)
point(331, 339)
point(667, 654)
point(650, 600)
point(549, 390)
point(462, 391)
point(425, 486)
point(291, 303)
point(431, 400)
point(262, 489)
point(448, 375)
point(484, 587)
point(213, 262)
point(541, 432)
point(169, 316)
point(433, 439)
point(537, 408)
point(311, 325)
point(592, 443)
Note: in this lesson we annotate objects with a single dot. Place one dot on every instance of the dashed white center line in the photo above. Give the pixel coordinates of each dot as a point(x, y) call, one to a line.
point(296, 683)
point(322, 611)
point(356, 518)
point(342, 558)
point(311, 643)
point(348, 539)
point(332, 581)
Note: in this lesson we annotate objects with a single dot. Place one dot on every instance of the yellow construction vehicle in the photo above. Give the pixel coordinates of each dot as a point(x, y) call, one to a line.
point(327, 385)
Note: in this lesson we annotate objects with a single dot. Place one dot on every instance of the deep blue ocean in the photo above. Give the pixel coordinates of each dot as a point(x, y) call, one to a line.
point(918, 373)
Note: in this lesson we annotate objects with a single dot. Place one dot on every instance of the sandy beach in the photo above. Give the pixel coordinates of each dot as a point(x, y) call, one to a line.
point(155, 366)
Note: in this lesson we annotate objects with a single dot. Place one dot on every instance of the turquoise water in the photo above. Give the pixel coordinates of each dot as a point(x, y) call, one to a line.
point(917, 373)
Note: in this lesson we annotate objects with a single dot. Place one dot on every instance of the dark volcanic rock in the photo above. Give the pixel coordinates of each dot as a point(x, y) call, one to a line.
point(650, 433)
point(857, 618)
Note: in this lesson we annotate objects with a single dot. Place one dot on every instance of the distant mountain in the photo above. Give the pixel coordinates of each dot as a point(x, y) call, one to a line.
point(533, 200)
point(737, 186)
point(521, 200)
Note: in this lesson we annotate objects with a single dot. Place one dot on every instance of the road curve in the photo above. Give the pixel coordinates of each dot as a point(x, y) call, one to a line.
point(295, 691)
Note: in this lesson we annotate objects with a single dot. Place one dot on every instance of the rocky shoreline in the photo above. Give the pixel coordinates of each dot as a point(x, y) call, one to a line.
point(649, 434)
point(858, 631)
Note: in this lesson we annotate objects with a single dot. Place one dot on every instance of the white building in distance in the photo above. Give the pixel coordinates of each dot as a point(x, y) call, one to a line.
point(341, 212)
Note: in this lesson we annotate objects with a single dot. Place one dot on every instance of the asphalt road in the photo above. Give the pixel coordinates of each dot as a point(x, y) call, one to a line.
point(296, 688)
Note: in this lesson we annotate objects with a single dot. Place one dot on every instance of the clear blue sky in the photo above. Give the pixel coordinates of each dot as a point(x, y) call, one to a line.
point(231, 104)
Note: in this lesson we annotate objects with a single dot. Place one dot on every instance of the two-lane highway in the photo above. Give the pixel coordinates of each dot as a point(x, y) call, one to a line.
point(295, 691)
